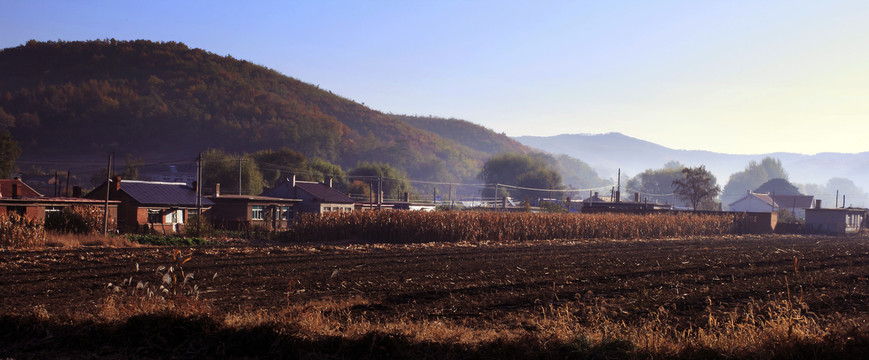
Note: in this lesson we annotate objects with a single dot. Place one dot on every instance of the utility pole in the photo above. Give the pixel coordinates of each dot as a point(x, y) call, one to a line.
point(239, 176)
point(199, 195)
point(379, 192)
point(450, 196)
point(66, 192)
point(108, 189)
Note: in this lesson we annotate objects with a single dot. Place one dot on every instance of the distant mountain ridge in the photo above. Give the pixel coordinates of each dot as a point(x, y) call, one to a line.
point(611, 151)
point(79, 99)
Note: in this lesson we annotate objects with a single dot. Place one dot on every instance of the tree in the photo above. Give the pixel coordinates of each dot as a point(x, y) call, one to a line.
point(697, 185)
point(657, 184)
point(322, 170)
point(276, 164)
point(528, 171)
point(778, 186)
point(220, 167)
point(395, 182)
point(131, 167)
point(9, 152)
point(754, 175)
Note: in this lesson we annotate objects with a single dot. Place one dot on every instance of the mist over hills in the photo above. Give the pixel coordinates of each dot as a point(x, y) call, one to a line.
point(611, 151)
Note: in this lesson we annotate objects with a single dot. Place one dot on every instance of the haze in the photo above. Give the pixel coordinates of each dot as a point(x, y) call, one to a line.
point(737, 77)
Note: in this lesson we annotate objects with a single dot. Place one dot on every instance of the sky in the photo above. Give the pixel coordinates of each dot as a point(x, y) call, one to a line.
point(740, 77)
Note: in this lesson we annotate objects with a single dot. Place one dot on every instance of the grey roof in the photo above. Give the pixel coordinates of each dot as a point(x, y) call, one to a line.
point(324, 193)
point(794, 201)
point(321, 192)
point(162, 193)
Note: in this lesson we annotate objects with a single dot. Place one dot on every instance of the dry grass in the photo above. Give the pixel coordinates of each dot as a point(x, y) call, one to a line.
point(754, 330)
point(68, 240)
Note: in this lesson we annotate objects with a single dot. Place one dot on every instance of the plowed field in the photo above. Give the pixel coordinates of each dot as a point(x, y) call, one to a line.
point(688, 278)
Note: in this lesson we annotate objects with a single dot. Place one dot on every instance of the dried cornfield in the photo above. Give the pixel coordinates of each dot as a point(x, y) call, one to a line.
point(417, 226)
point(16, 231)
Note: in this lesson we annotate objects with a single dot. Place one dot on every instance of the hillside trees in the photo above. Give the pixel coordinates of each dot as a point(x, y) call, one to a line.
point(167, 100)
point(697, 186)
point(658, 184)
point(529, 171)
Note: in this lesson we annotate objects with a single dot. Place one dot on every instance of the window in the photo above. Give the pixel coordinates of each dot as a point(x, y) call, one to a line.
point(285, 213)
point(154, 216)
point(256, 213)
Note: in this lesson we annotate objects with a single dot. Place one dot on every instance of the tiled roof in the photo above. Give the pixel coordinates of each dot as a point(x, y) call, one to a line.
point(161, 193)
point(321, 192)
point(23, 189)
point(324, 193)
point(794, 201)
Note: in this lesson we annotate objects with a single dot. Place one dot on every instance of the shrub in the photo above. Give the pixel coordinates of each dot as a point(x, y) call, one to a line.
point(76, 220)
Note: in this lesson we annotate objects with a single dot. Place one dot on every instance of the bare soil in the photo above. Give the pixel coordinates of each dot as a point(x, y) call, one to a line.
point(629, 279)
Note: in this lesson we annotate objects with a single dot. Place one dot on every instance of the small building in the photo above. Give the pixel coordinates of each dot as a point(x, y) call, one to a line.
point(315, 197)
point(837, 221)
point(18, 197)
point(163, 207)
point(754, 202)
point(239, 212)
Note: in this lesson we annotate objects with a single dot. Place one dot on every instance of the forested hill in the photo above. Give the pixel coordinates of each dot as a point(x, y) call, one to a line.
point(165, 100)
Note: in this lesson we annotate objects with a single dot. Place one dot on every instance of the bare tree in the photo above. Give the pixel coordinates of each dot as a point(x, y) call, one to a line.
point(696, 185)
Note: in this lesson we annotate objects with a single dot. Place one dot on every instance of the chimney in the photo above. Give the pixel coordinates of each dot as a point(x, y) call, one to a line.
point(217, 190)
point(330, 182)
point(817, 203)
point(117, 184)
point(293, 183)
point(15, 190)
point(406, 194)
point(636, 197)
point(195, 186)
point(76, 191)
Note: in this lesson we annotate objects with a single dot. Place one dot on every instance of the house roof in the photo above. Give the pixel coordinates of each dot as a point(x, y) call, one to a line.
point(762, 197)
point(24, 190)
point(794, 201)
point(251, 198)
point(780, 201)
point(158, 193)
point(324, 193)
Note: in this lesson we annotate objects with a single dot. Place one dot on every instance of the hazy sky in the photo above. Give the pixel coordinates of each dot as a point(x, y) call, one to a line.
point(727, 76)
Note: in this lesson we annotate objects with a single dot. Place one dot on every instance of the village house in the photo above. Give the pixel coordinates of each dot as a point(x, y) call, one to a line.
point(754, 202)
point(163, 207)
point(239, 212)
point(836, 221)
point(17, 197)
point(315, 197)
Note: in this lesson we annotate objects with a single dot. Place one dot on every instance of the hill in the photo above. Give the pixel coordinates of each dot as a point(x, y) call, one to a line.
point(165, 100)
point(608, 152)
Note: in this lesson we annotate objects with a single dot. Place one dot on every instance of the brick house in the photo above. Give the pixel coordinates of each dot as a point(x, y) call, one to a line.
point(315, 197)
point(17, 197)
point(239, 212)
point(163, 207)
